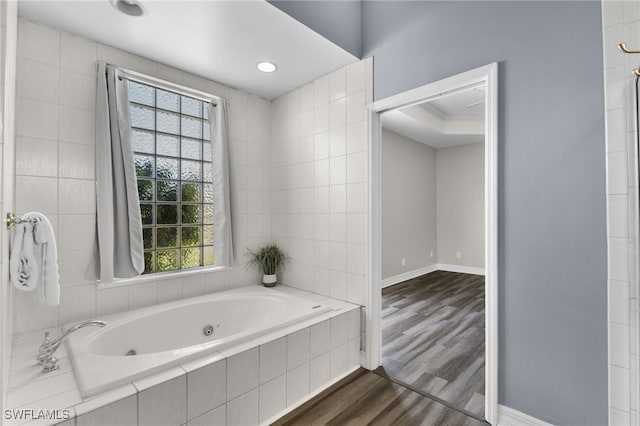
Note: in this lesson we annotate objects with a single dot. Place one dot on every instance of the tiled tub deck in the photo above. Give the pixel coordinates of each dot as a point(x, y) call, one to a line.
point(252, 383)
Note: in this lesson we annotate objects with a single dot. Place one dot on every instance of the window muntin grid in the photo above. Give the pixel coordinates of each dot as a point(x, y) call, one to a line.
point(172, 156)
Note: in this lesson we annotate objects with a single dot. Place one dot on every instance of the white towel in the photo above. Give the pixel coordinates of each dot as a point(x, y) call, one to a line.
point(23, 266)
point(34, 258)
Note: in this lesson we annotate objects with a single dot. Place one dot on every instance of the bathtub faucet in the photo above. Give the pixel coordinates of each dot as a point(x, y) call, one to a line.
point(45, 354)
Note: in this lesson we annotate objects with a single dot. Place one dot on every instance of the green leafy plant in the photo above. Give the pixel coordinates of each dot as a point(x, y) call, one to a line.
point(269, 258)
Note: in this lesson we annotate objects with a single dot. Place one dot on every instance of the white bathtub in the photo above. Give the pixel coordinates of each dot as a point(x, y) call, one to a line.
point(170, 334)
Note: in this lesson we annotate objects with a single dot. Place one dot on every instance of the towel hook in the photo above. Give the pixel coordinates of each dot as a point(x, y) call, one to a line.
point(11, 220)
point(625, 49)
point(623, 46)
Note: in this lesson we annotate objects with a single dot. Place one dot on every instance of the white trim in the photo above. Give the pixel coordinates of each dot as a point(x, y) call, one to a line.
point(160, 276)
point(405, 276)
point(460, 268)
point(487, 75)
point(510, 417)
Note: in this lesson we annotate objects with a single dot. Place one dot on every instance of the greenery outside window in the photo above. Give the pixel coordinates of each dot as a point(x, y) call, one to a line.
point(173, 159)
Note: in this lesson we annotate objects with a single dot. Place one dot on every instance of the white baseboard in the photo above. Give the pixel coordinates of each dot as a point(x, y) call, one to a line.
point(511, 417)
point(405, 276)
point(459, 268)
point(408, 275)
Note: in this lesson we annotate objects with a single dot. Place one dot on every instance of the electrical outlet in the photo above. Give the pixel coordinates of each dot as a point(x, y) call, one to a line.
point(404, 262)
point(458, 255)
point(431, 253)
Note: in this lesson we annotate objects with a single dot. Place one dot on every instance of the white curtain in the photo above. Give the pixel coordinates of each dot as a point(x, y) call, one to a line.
point(119, 223)
point(223, 243)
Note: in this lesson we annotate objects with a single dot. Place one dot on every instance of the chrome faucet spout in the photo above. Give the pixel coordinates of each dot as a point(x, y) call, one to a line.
point(45, 353)
point(58, 340)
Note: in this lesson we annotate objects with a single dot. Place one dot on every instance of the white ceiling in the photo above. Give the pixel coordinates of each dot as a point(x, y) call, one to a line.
point(454, 119)
point(219, 40)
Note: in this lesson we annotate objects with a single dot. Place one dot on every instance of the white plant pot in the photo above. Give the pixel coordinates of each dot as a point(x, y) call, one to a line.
point(269, 280)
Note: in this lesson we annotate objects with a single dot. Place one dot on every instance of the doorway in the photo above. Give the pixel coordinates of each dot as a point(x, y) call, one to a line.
point(485, 77)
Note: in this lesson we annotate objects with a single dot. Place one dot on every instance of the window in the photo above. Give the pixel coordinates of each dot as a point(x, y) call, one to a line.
point(172, 153)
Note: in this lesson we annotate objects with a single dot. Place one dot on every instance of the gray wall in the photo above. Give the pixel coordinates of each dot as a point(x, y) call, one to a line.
point(553, 338)
point(408, 204)
point(336, 20)
point(460, 204)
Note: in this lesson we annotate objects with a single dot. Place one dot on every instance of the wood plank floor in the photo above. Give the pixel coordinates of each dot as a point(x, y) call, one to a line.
point(433, 337)
point(365, 398)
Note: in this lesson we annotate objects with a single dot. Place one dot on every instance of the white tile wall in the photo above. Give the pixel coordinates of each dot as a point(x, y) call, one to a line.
point(319, 182)
point(55, 172)
point(621, 22)
point(8, 34)
point(242, 372)
point(273, 397)
point(122, 412)
point(164, 404)
point(206, 388)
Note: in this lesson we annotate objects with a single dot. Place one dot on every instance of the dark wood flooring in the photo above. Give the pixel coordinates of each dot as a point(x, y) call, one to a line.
point(433, 337)
point(365, 398)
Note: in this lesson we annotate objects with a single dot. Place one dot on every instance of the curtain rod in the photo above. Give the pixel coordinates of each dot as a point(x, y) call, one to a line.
point(128, 74)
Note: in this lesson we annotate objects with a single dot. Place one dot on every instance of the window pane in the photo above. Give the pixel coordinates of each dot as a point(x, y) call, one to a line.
point(142, 117)
point(207, 169)
point(167, 168)
point(145, 190)
point(143, 141)
point(146, 211)
point(167, 214)
point(190, 257)
point(207, 255)
point(168, 122)
point(173, 152)
point(144, 165)
point(207, 232)
point(168, 100)
point(191, 236)
point(206, 131)
point(191, 192)
point(148, 262)
point(167, 260)
point(191, 106)
point(191, 148)
point(141, 93)
point(191, 127)
point(207, 214)
point(147, 237)
point(167, 190)
point(206, 151)
point(168, 145)
point(167, 237)
point(191, 170)
point(208, 193)
point(191, 213)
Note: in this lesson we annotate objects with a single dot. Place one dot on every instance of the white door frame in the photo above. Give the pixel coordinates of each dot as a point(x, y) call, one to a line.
point(488, 75)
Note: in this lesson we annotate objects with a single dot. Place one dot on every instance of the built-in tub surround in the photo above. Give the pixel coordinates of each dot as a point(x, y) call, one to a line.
point(55, 174)
point(252, 382)
point(138, 343)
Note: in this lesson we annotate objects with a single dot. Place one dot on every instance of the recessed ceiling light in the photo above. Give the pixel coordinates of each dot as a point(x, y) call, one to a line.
point(128, 7)
point(266, 66)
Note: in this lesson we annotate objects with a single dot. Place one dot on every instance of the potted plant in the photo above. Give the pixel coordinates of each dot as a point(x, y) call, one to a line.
point(268, 258)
